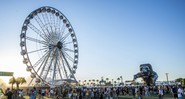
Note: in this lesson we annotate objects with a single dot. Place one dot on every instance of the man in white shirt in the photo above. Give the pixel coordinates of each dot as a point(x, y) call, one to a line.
point(180, 92)
point(161, 90)
point(51, 93)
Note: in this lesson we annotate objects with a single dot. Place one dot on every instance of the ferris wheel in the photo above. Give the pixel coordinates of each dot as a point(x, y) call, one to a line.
point(49, 46)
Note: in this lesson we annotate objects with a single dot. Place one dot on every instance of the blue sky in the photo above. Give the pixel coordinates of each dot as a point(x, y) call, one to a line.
point(114, 36)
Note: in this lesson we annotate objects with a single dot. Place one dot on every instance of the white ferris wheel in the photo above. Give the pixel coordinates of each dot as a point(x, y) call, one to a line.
point(49, 46)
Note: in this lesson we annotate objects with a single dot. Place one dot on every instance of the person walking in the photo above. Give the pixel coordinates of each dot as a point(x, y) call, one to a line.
point(180, 92)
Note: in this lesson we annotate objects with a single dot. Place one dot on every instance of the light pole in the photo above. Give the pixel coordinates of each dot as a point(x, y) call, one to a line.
point(121, 80)
point(167, 78)
point(112, 82)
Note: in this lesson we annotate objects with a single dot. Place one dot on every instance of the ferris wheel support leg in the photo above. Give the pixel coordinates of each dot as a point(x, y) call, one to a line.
point(69, 68)
point(55, 66)
point(30, 82)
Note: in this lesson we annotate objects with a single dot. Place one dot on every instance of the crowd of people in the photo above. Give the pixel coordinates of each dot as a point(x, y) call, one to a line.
point(12, 94)
point(103, 92)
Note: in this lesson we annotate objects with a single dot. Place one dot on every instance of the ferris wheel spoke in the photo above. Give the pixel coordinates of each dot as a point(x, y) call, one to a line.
point(36, 40)
point(47, 21)
point(63, 65)
point(41, 24)
point(58, 24)
point(68, 65)
point(45, 63)
point(65, 36)
point(30, 82)
point(41, 65)
point(70, 50)
point(59, 27)
point(53, 20)
point(37, 50)
point(36, 30)
point(35, 65)
point(40, 60)
point(52, 26)
point(68, 56)
point(59, 69)
point(49, 67)
point(62, 31)
point(68, 43)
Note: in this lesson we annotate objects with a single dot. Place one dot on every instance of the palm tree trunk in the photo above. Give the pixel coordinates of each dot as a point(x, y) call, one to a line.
point(12, 85)
point(17, 86)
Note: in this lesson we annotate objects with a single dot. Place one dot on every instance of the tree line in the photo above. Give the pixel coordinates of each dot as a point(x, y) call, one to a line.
point(180, 80)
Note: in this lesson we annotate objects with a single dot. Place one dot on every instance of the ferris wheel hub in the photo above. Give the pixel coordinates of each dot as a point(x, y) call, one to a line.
point(59, 45)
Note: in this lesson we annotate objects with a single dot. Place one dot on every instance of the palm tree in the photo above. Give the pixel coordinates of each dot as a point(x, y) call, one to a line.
point(89, 81)
point(84, 82)
point(183, 81)
point(107, 80)
point(12, 81)
point(118, 79)
point(93, 81)
point(79, 81)
point(97, 81)
point(23, 80)
point(114, 82)
point(179, 80)
point(20, 80)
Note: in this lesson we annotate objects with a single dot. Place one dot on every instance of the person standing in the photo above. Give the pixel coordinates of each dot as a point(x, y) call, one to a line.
point(111, 93)
point(33, 93)
point(21, 93)
point(101, 95)
point(174, 92)
point(80, 95)
point(140, 92)
point(8, 94)
point(146, 90)
point(133, 92)
point(180, 92)
point(161, 90)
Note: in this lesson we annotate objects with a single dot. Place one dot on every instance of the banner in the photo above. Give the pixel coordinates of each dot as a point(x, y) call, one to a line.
point(6, 73)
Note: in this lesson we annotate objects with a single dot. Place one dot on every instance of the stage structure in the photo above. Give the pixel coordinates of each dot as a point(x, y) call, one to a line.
point(49, 46)
point(147, 74)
